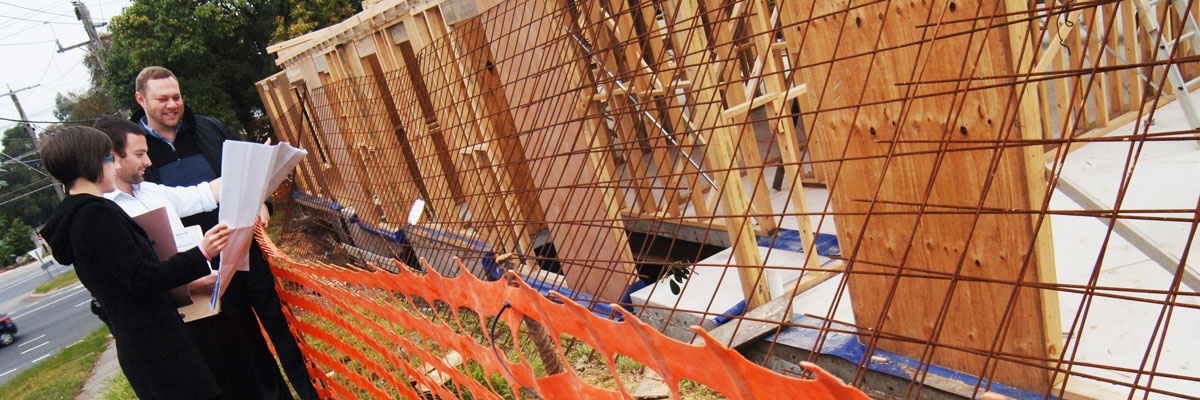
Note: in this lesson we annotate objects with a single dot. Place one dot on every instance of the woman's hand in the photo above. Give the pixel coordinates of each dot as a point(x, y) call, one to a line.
point(215, 239)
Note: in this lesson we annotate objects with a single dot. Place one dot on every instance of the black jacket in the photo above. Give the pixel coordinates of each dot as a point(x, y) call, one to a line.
point(207, 133)
point(197, 134)
point(116, 262)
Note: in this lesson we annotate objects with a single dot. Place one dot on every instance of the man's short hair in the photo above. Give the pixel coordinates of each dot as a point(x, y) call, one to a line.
point(72, 152)
point(149, 73)
point(116, 128)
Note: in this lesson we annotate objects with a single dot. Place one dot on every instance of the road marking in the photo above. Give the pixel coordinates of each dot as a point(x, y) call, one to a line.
point(27, 312)
point(31, 275)
point(35, 347)
point(28, 341)
point(40, 358)
point(84, 302)
point(9, 372)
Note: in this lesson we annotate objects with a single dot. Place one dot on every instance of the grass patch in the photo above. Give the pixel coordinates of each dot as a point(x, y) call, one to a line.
point(118, 389)
point(62, 280)
point(61, 376)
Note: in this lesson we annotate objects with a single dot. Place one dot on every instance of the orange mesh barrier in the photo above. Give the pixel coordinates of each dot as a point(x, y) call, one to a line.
point(399, 335)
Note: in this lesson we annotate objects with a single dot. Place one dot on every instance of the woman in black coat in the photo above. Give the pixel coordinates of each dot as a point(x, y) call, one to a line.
point(116, 262)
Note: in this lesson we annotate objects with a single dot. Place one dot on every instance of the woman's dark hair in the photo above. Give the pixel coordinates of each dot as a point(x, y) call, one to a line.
point(72, 152)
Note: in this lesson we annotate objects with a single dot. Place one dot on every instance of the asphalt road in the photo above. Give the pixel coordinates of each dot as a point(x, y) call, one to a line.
point(45, 323)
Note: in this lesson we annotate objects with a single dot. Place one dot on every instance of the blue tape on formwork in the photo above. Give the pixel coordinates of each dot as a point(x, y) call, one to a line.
point(600, 308)
point(785, 239)
point(447, 235)
point(846, 346)
point(308, 198)
point(490, 268)
point(627, 297)
point(789, 239)
point(728, 315)
point(392, 236)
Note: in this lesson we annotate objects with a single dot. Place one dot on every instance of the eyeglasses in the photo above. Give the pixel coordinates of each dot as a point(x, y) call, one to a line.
point(109, 158)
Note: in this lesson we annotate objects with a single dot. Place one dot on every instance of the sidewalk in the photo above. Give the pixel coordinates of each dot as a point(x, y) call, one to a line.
point(106, 369)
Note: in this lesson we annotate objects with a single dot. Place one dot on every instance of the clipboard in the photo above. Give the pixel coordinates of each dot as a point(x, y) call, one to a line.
point(203, 305)
point(158, 229)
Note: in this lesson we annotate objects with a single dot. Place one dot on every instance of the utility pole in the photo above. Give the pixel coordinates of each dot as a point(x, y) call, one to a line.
point(84, 15)
point(58, 189)
point(21, 111)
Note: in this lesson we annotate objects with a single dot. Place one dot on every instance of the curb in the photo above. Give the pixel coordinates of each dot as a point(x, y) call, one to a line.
point(105, 369)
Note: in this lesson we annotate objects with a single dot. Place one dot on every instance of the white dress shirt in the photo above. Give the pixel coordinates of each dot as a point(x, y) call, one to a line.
point(179, 201)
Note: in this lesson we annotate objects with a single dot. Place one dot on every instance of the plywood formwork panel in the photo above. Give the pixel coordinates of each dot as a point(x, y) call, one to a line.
point(377, 142)
point(896, 154)
point(327, 173)
point(324, 102)
point(501, 158)
point(276, 94)
point(457, 125)
point(429, 151)
point(544, 81)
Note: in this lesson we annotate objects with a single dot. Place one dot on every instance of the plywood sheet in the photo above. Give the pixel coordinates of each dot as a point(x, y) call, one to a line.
point(948, 277)
point(543, 77)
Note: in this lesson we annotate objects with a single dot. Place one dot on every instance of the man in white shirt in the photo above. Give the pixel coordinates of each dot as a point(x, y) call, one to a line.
point(137, 197)
point(228, 355)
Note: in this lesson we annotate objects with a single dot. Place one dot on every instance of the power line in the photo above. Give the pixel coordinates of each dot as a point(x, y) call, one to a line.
point(26, 44)
point(38, 21)
point(20, 31)
point(51, 184)
point(24, 121)
point(35, 10)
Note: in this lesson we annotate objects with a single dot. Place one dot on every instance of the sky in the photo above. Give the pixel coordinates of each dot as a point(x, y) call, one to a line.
point(30, 57)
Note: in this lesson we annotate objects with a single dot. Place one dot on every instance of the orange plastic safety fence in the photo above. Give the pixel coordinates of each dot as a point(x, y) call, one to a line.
point(403, 335)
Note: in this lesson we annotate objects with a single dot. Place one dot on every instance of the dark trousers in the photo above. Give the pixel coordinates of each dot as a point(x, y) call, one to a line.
point(227, 356)
point(253, 293)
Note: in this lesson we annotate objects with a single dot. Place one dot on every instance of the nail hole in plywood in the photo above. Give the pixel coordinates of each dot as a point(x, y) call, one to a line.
point(858, 21)
point(953, 7)
point(872, 130)
point(962, 130)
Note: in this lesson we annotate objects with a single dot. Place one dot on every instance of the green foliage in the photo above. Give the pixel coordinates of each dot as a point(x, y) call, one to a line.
point(16, 240)
point(307, 16)
point(27, 194)
point(218, 49)
point(83, 108)
point(677, 273)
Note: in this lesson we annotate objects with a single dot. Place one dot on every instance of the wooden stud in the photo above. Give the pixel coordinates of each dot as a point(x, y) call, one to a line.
point(688, 38)
point(1028, 122)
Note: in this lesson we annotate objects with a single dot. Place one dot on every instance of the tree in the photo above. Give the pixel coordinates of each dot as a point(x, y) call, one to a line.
point(27, 194)
point(83, 108)
point(218, 49)
point(16, 240)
